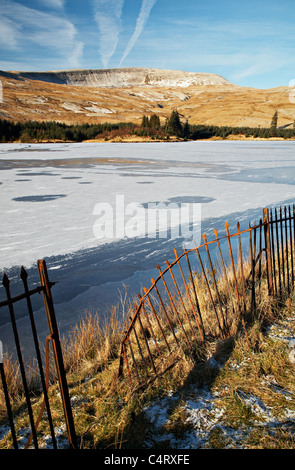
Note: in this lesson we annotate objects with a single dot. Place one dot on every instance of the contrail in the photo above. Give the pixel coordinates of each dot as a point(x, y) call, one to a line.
point(143, 16)
point(46, 29)
point(107, 15)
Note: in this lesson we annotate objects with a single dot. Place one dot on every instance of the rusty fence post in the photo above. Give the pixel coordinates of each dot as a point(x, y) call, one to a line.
point(278, 251)
point(252, 272)
point(268, 250)
point(6, 283)
point(291, 247)
point(57, 351)
point(24, 277)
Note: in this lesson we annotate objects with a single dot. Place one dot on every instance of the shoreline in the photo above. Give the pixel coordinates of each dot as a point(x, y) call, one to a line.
point(136, 140)
point(146, 140)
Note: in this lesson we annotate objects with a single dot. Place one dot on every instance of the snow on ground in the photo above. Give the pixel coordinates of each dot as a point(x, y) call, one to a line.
point(203, 410)
point(49, 193)
point(205, 413)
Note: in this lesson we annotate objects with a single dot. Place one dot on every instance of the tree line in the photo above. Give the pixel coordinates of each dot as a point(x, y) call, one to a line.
point(33, 131)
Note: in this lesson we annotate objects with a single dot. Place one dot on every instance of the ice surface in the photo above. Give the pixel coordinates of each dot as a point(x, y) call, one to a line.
point(49, 192)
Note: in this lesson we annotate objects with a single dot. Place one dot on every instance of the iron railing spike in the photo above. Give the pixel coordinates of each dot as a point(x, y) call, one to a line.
point(5, 280)
point(23, 273)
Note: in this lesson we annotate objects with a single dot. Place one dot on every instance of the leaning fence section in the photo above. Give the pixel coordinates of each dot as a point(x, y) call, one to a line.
point(44, 413)
point(207, 293)
point(204, 294)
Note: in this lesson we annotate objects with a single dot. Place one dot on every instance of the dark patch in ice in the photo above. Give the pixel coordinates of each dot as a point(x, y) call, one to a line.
point(41, 173)
point(22, 180)
point(145, 182)
point(31, 149)
point(191, 199)
point(81, 162)
point(85, 182)
point(39, 198)
point(182, 200)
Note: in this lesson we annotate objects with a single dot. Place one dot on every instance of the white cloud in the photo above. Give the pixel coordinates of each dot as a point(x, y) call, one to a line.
point(9, 32)
point(21, 26)
point(260, 64)
point(143, 17)
point(57, 4)
point(107, 15)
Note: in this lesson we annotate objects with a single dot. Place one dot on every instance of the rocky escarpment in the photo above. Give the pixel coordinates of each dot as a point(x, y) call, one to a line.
point(124, 77)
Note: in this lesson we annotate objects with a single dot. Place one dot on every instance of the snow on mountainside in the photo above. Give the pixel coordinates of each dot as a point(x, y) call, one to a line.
point(125, 77)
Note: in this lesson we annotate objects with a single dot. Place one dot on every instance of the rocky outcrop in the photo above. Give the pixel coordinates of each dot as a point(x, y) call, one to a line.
point(124, 77)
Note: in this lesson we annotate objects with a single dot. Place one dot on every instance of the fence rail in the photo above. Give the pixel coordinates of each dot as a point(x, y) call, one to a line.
point(53, 339)
point(204, 294)
point(207, 292)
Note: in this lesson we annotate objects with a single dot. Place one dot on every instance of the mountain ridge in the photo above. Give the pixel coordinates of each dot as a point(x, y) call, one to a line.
point(126, 95)
point(122, 77)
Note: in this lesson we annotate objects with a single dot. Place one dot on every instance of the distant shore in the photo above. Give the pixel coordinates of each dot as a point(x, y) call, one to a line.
point(137, 139)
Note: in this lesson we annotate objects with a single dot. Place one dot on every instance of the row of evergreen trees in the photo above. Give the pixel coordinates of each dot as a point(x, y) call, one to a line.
point(173, 126)
point(33, 131)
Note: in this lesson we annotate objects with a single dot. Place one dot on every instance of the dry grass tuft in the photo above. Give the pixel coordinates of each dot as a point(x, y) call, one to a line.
point(93, 343)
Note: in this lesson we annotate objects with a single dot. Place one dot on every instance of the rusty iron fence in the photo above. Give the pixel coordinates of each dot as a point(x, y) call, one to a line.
point(44, 412)
point(207, 293)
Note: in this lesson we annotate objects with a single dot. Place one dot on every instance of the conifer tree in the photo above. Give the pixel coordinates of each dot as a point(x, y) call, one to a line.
point(174, 124)
point(274, 121)
point(186, 130)
point(155, 121)
point(145, 121)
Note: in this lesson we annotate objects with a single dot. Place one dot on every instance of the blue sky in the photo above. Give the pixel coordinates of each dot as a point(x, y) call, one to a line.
point(251, 43)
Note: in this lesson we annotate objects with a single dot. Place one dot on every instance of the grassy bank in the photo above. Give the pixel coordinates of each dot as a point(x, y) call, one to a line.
point(235, 392)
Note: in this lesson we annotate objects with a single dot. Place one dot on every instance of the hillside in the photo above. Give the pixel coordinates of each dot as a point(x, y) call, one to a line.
point(122, 95)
